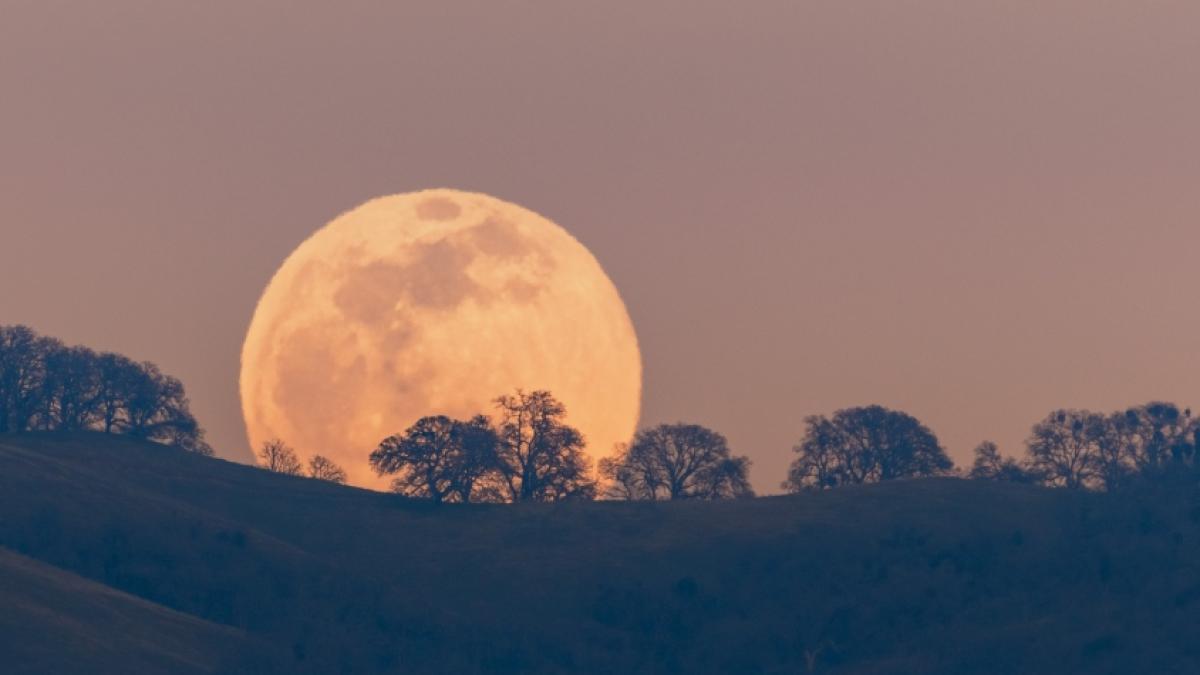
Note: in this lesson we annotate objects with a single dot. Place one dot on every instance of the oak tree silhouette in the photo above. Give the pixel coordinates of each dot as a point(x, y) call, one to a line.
point(864, 445)
point(676, 461)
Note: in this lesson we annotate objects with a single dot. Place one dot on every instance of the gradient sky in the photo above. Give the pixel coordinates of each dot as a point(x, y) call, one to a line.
point(975, 212)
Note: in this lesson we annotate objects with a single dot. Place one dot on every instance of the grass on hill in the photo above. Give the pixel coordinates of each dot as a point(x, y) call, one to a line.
point(56, 622)
point(939, 575)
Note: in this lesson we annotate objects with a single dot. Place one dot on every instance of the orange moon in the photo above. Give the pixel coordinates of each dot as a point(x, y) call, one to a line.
point(434, 302)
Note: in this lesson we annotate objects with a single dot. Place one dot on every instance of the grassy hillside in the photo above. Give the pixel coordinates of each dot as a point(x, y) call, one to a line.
point(56, 622)
point(930, 576)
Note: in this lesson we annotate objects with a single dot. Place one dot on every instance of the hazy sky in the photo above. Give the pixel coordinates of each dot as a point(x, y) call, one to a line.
point(975, 212)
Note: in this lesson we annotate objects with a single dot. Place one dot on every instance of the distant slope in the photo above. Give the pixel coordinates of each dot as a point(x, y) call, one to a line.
point(56, 622)
point(922, 576)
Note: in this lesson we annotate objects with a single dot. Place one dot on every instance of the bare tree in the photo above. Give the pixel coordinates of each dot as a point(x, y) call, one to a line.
point(623, 480)
point(157, 409)
point(1063, 448)
point(115, 374)
point(1113, 447)
point(71, 389)
point(821, 457)
point(22, 376)
point(47, 386)
point(677, 461)
point(1144, 440)
point(864, 445)
point(277, 456)
point(1160, 434)
point(541, 457)
point(477, 476)
point(323, 468)
point(1083, 449)
point(439, 458)
point(990, 465)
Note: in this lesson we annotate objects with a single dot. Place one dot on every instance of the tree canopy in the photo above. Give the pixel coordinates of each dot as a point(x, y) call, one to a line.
point(440, 458)
point(676, 461)
point(541, 458)
point(1063, 448)
point(47, 386)
point(1084, 449)
point(528, 454)
point(864, 445)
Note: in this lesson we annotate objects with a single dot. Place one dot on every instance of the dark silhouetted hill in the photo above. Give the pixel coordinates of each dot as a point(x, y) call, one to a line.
point(56, 622)
point(234, 569)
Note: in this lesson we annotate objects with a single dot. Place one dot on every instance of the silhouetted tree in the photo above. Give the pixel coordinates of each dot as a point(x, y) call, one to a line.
point(439, 458)
point(677, 461)
point(541, 458)
point(1079, 448)
point(1114, 439)
point(47, 386)
point(624, 481)
point(22, 376)
point(72, 389)
point(277, 456)
point(116, 373)
point(864, 445)
point(323, 468)
point(478, 477)
point(1161, 435)
point(989, 465)
point(1063, 448)
point(1146, 440)
point(151, 400)
point(156, 409)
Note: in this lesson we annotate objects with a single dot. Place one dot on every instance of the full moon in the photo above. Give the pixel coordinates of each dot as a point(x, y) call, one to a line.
point(434, 303)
